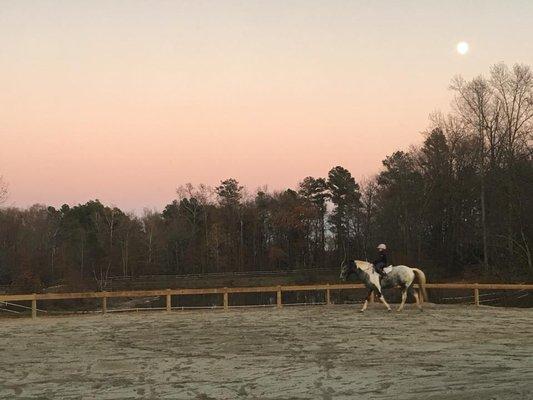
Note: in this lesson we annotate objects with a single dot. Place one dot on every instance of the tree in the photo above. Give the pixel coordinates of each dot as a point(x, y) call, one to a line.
point(345, 196)
point(369, 211)
point(229, 193)
point(315, 192)
point(475, 104)
point(401, 201)
point(196, 202)
point(513, 90)
point(499, 112)
point(152, 227)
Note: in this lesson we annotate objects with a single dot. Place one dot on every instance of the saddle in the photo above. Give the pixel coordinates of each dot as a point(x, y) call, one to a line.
point(388, 269)
point(385, 271)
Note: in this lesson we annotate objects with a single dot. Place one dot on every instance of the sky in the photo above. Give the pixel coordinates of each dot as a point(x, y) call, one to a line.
point(123, 101)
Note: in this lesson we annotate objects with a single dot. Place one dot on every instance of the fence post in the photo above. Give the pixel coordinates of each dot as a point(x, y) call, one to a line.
point(328, 295)
point(34, 306)
point(169, 300)
point(104, 304)
point(476, 295)
point(279, 305)
point(226, 299)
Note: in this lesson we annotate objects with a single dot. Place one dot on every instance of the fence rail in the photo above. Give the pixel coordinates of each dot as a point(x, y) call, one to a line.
point(226, 291)
point(229, 274)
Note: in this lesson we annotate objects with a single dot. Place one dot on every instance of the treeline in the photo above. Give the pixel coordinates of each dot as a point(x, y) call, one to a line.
point(459, 203)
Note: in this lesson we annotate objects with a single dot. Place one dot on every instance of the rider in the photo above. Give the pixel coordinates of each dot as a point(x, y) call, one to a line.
point(381, 261)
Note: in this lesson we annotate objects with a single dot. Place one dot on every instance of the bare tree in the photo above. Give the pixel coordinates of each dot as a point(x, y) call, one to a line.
point(105, 226)
point(150, 219)
point(499, 112)
point(195, 200)
point(513, 90)
point(475, 103)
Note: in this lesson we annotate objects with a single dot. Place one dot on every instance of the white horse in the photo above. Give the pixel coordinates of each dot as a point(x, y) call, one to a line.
point(398, 276)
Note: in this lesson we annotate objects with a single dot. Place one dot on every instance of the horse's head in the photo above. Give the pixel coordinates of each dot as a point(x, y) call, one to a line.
point(347, 268)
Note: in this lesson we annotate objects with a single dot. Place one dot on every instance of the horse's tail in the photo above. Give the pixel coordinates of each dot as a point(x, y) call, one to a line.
point(422, 283)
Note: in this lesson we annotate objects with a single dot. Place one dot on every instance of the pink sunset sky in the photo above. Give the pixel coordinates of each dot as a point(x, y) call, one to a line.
point(125, 100)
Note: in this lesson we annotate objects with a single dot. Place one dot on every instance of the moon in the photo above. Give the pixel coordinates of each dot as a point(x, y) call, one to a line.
point(462, 48)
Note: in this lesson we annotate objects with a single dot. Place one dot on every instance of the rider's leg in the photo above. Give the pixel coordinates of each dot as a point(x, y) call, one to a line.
point(379, 269)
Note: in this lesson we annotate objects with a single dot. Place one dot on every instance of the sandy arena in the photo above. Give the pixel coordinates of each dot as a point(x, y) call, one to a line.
point(313, 352)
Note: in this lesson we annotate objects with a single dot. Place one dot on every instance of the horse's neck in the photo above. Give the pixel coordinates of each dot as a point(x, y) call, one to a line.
point(363, 276)
point(364, 266)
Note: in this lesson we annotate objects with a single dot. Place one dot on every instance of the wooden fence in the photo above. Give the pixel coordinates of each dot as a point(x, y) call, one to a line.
point(226, 291)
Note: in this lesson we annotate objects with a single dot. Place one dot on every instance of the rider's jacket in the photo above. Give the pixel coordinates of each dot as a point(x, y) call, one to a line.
point(381, 261)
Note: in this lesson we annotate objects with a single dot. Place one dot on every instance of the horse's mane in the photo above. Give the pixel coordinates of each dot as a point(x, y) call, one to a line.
point(364, 265)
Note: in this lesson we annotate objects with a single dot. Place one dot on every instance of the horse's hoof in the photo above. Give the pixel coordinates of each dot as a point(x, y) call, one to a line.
point(361, 311)
point(389, 310)
point(398, 310)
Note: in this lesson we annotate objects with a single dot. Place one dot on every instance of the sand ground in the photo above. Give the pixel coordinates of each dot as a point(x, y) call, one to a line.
point(313, 352)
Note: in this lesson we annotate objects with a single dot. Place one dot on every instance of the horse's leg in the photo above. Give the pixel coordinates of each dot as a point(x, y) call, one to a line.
point(365, 304)
point(417, 300)
point(382, 299)
point(404, 297)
